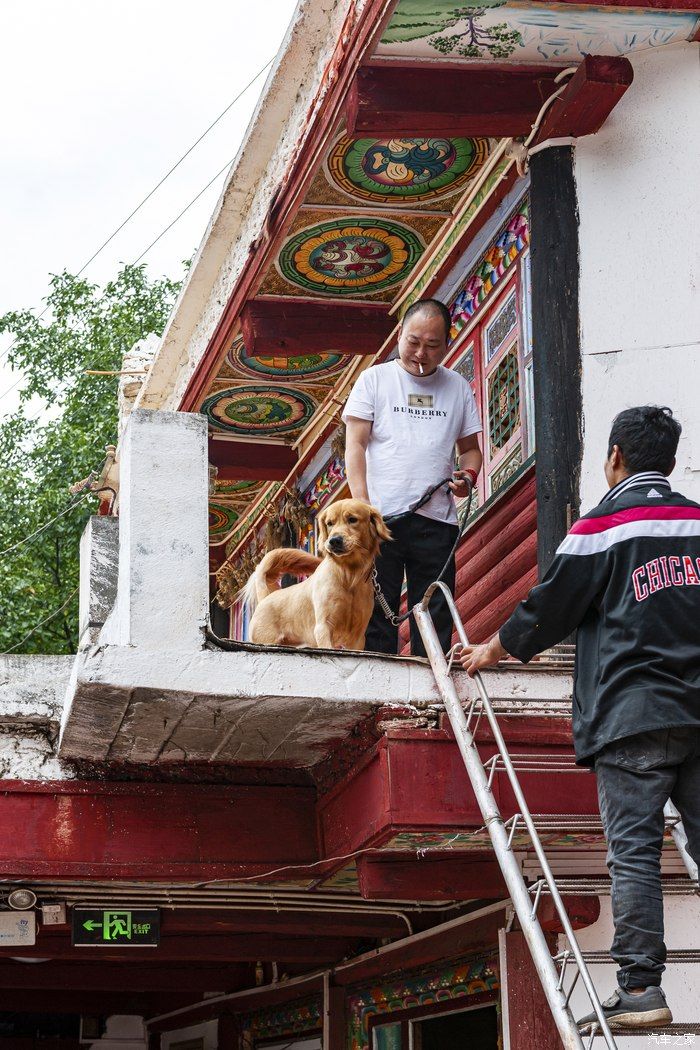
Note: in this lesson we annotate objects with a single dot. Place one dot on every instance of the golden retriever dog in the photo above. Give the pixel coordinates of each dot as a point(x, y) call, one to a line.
point(332, 607)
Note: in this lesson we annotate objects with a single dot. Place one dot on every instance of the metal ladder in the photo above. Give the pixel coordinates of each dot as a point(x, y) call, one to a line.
point(525, 899)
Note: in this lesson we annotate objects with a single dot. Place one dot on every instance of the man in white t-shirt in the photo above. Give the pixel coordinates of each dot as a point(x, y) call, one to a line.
point(404, 421)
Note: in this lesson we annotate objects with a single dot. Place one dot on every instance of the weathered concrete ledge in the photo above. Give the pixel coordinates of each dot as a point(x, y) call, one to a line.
point(282, 708)
point(32, 691)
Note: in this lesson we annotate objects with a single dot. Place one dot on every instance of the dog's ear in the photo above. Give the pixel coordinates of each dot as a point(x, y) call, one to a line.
point(322, 531)
point(378, 525)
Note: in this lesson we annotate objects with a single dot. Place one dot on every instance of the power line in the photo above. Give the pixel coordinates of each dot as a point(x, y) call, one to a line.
point(47, 619)
point(175, 165)
point(184, 210)
point(148, 196)
point(18, 381)
point(45, 526)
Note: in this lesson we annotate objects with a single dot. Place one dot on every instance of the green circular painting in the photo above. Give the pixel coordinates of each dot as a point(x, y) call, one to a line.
point(350, 256)
point(263, 410)
point(299, 366)
point(405, 169)
point(221, 519)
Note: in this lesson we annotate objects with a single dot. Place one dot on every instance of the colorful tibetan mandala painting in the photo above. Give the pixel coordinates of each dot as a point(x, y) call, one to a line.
point(404, 169)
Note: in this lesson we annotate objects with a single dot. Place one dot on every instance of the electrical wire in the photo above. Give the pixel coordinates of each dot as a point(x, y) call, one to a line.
point(151, 192)
point(17, 381)
point(175, 165)
point(46, 620)
point(184, 210)
point(48, 524)
point(421, 853)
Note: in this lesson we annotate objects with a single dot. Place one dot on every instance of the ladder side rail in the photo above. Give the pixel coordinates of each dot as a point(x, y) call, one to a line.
point(681, 840)
point(517, 889)
point(494, 820)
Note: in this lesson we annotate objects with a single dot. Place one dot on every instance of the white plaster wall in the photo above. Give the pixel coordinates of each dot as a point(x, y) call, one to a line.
point(207, 1032)
point(638, 190)
point(123, 1032)
point(163, 587)
point(682, 931)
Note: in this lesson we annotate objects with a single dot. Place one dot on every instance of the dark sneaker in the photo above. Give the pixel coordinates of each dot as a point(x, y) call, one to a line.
point(623, 1010)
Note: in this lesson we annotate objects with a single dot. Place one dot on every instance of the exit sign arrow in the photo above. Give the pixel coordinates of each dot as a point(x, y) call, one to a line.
point(92, 925)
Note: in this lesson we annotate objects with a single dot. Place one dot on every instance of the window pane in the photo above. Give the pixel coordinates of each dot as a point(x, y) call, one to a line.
point(388, 1037)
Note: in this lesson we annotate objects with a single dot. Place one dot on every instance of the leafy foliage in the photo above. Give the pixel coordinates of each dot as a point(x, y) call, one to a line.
point(41, 455)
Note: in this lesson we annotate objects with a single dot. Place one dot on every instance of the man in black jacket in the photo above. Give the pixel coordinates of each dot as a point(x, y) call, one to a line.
point(627, 578)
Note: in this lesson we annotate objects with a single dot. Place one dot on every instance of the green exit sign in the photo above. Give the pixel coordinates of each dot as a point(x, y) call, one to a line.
point(116, 927)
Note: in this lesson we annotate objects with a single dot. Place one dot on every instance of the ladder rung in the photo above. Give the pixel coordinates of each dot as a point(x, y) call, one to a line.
point(674, 955)
point(653, 1035)
point(593, 887)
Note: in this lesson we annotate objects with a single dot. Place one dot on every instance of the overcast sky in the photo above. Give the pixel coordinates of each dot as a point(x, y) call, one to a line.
point(99, 100)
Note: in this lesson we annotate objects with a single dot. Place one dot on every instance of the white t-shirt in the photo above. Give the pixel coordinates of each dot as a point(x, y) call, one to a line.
point(417, 421)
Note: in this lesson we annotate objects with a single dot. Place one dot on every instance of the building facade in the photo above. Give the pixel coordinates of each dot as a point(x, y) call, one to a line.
point(299, 826)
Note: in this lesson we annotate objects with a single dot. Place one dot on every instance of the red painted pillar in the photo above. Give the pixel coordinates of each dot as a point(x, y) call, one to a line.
point(525, 1010)
point(334, 1036)
point(228, 1033)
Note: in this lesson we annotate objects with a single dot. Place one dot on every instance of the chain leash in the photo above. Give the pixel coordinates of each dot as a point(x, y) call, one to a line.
point(383, 603)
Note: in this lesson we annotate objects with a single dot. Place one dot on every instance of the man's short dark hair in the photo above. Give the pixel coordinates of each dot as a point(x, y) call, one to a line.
point(432, 306)
point(647, 437)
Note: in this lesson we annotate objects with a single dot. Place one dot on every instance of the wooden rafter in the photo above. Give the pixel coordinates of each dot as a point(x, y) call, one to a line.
point(251, 460)
point(294, 326)
point(409, 99)
point(588, 99)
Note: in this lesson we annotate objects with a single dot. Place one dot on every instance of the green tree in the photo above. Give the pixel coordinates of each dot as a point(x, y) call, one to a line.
point(41, 455)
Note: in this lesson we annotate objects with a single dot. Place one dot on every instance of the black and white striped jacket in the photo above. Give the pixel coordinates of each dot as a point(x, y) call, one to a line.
point(627, 576)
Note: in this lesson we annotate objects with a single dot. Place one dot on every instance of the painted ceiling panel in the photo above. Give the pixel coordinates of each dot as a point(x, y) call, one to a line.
point(407, 173)
point(498, 30)
point(349, 255)
point(372, 210)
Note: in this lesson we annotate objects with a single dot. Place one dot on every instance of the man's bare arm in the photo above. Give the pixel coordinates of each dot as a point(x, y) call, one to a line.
point(357, 434)
point(470, 458)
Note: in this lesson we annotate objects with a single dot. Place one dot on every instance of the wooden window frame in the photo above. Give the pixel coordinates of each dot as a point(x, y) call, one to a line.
point(407, 1018)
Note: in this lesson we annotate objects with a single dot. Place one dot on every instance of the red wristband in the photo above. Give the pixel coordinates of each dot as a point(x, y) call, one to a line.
point(472, 475)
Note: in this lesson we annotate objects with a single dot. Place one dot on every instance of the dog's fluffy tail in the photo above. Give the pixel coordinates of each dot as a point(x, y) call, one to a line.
point(266, 577)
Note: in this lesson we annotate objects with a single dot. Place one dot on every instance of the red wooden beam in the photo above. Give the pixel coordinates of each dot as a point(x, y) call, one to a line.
point(250, 461)
point(199, 950)
point(438, 877)
point(588, 98)
point(301, 923)
point(528, 1017)
point(95, 974)
point(417, 781)
point(240, 1002)
point(450, 940)
point(412, 100)
point(582, 912)
point(119, 830)
point(100, 1003)
point(294, 326)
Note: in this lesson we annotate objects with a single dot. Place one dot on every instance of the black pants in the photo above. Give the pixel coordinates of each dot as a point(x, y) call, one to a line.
point(420, 547)
point(636, 776)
